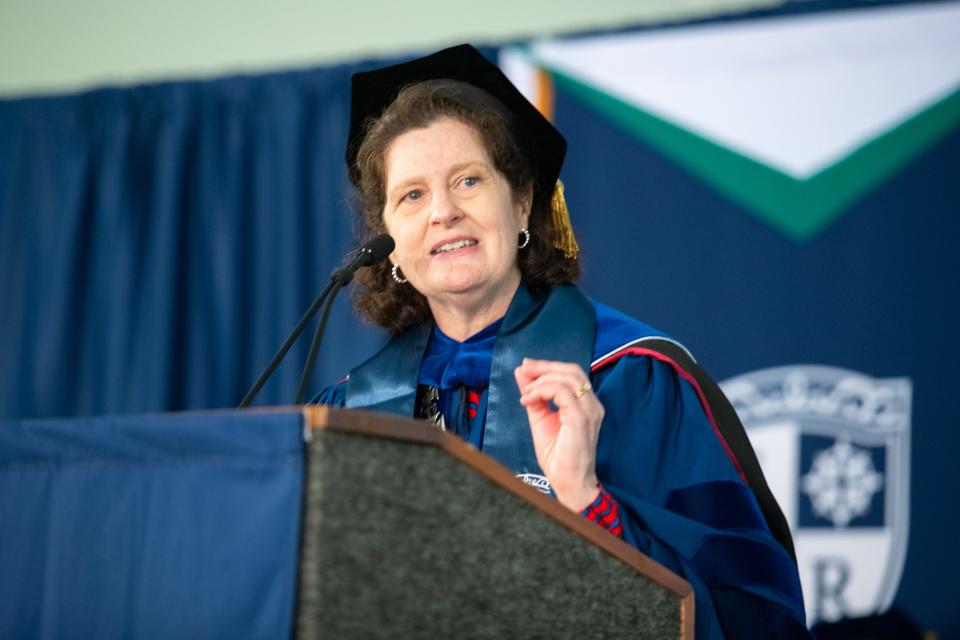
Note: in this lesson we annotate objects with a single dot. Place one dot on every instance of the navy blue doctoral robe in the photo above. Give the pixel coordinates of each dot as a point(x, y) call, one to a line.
point(683, 493)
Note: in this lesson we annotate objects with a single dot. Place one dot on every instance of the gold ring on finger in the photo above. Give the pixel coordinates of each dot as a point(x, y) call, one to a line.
point(583, 389)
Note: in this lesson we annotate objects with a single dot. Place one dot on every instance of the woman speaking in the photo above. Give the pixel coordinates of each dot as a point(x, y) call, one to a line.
point(491, 341)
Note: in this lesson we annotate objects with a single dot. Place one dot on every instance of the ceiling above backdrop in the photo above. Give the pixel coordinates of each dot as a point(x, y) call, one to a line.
point(62, 47)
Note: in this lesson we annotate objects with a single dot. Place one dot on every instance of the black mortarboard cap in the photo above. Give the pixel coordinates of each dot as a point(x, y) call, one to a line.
point(373, 91)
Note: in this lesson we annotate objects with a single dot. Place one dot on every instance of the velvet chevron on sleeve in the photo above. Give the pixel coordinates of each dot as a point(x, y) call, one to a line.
point(605, 511)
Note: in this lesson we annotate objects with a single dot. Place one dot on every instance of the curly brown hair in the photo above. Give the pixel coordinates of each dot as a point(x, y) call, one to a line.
point(397, 307)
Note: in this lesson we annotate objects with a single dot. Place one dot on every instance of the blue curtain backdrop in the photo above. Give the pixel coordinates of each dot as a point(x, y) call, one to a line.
point(158, 242)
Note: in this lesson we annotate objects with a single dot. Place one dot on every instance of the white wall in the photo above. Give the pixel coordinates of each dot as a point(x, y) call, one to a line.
point(48, 46)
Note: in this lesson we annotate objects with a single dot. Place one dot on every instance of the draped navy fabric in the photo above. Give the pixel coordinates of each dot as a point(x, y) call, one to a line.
point(150, 526)
point(157, 243)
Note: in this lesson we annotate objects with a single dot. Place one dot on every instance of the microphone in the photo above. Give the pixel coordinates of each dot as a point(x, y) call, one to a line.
point(370, 253)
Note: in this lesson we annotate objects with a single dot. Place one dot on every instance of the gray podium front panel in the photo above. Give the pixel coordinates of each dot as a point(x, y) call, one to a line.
point(404, 539)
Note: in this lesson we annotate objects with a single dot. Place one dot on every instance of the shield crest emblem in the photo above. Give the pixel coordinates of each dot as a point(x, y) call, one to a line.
point(834, 445)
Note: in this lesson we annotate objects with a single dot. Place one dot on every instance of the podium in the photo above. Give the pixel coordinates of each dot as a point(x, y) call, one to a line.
point(305, 522)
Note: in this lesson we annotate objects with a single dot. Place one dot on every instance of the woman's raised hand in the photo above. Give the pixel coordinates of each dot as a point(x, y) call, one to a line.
point(565, 438)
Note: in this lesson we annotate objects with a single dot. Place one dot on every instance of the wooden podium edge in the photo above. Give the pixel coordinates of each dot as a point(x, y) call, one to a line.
point(369, 423)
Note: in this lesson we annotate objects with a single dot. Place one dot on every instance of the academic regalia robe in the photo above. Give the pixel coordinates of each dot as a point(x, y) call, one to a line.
point(670, 450)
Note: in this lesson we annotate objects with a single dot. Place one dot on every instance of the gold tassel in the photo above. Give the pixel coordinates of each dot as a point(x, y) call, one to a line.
point(565, 240)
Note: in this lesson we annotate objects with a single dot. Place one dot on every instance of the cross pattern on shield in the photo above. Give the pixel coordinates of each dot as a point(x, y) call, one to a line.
point(834, 445)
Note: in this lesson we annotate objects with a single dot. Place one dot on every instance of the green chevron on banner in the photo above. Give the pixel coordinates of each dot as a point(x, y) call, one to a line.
point(794, 118)
point(799, 208)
